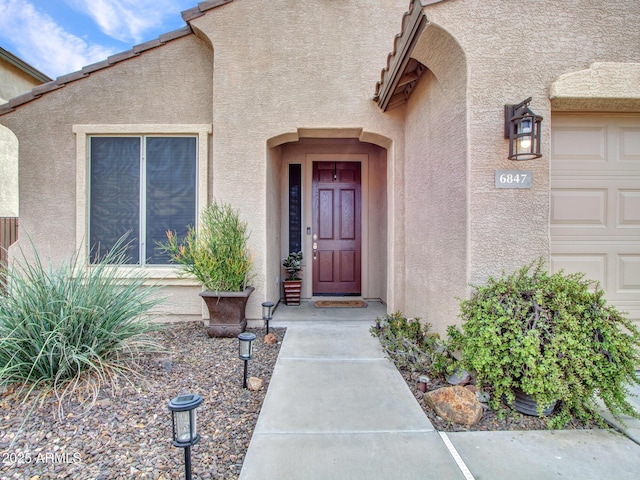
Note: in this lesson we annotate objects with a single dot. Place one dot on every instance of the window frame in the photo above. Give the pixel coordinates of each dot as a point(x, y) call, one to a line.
point(83, 172)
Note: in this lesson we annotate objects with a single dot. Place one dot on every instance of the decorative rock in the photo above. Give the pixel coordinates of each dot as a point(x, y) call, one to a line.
point(459, 377)
point(455, 404)
point(473, 388)
point(483, 397)
point(270, 339)
point(254, 384)
point(165, 363)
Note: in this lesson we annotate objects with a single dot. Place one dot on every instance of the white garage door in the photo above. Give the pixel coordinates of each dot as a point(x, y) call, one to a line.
point(595, 202)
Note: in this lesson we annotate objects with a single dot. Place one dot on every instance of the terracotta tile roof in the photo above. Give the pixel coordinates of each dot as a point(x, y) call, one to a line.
point(202, 7)
point(402, 72)
point(63, 80)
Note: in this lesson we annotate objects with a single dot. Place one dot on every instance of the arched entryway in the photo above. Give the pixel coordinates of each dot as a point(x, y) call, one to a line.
point(333, 206)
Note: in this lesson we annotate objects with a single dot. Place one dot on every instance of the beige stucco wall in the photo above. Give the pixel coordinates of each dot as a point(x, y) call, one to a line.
point(515, 51)
point(8, 173)
point(279, 73)
point(167, 85)
point(436, 182)
point(511, 52)
point(284, 66)
point(604, 87)
point(13, 82)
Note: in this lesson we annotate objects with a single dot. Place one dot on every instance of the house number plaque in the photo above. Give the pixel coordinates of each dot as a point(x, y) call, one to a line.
point(513, 178)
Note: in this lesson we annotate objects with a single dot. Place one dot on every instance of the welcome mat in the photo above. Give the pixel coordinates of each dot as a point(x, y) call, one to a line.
point(340, 304)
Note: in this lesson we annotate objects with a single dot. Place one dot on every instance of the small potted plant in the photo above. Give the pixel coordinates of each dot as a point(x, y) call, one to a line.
point(536, 339)
point(293, 283)
point(217, 254)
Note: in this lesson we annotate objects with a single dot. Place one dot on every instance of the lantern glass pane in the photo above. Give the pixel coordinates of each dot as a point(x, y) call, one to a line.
point(193, 423)
point(524, 140)
point(183, 426)
point(245, 349)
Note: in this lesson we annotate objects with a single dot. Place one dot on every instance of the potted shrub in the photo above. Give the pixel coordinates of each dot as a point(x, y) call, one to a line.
point(293, 283)
point(217, 254)
point(551, 338)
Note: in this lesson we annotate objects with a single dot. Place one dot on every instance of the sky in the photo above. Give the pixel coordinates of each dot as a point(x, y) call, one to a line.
point(62, 36)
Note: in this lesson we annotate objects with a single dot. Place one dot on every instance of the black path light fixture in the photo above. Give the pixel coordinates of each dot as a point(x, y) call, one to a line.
point(183, 418)
point(522, 128)
point(267, 313)
point(246, 343)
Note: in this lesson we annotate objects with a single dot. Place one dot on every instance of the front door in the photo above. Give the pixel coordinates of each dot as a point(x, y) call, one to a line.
point(336, 228)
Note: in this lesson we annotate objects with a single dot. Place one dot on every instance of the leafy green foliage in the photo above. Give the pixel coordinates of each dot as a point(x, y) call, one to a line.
point(217, 253)
point(293, 264)
point(554, 337)
point(410, 343)
point(72, 326)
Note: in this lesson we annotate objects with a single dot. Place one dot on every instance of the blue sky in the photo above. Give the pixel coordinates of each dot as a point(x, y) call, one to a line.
point(61, 36)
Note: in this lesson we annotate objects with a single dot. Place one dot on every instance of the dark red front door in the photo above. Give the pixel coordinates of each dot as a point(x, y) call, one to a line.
point(336, 228)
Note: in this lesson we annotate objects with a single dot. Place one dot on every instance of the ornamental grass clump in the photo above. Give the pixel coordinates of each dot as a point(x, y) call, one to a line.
point(552, 336)
point(411, 344)
point(72, 329)
point(216, 253)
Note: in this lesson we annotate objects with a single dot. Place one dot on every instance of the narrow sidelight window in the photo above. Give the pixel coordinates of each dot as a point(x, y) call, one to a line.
point(295, 207)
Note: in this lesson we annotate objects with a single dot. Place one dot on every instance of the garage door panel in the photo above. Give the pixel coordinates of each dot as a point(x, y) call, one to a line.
point(595, 206)
point(628, 208)
point(630, 145)
point(595, 202)
point(579, 207)
point(579, 144)
point(628, 273)
point(593, 265)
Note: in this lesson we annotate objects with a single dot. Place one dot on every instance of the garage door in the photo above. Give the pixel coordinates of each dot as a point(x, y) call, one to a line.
point(595, 203)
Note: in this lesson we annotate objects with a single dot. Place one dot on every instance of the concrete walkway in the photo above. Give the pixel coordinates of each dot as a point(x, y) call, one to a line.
point(337, 408)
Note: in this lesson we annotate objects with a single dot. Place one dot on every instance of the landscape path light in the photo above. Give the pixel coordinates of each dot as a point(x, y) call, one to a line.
point(183, 419)
point(267, 313)
point(246, 342)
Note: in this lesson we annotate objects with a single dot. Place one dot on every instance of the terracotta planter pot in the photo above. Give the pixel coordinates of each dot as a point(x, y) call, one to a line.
point(292, 289)
point(226, 312)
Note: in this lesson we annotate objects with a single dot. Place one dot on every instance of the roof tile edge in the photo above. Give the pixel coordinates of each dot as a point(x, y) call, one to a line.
point(195, 12)
point(62, 80)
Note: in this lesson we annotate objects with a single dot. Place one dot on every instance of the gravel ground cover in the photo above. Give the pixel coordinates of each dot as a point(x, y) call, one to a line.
point(503, 419)
point(127, 433)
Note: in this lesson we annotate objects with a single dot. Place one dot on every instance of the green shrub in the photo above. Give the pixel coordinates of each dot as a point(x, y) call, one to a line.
point(410, 343)
point(216, 253)
point(71, 326)
point(554, 337)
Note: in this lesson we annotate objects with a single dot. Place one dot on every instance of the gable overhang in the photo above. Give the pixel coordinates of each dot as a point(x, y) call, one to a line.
point(402, 72)
point(23, 66)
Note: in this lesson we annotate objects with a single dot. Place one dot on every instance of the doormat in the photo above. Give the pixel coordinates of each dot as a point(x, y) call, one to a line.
point(340, 304)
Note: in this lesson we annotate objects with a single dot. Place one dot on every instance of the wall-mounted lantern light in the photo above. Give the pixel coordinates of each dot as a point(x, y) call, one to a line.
point(183, 417)
point(267, 313)
point(522, 128)
point(246, 340)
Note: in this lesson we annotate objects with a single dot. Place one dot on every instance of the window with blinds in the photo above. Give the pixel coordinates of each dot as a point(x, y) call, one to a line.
point(140, 187)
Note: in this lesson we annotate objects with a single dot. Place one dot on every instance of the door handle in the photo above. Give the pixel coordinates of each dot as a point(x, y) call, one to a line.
point(315, 250)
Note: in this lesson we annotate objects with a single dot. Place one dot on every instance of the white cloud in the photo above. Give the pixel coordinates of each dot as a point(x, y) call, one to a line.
point(129, 20)
point(43, 43)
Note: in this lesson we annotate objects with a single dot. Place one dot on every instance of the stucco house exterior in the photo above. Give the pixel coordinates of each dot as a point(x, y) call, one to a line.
point(368, 133)
point(16, 78)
